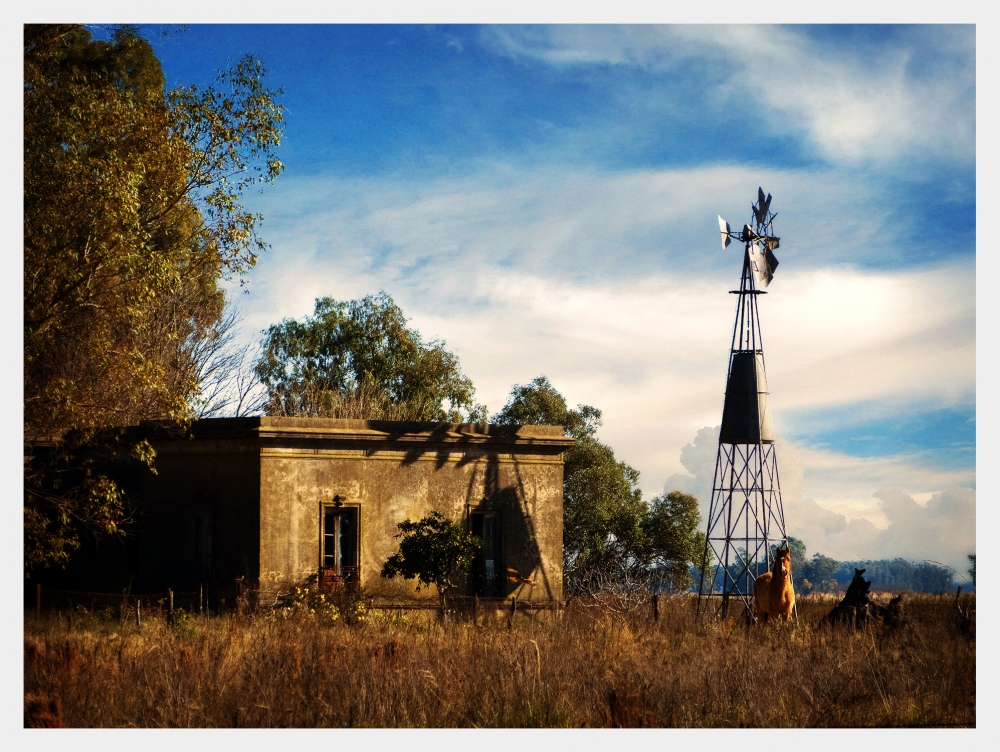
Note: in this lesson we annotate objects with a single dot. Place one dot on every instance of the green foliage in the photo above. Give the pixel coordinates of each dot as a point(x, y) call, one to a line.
point(603, 511)
point(94, 620)
point(817, 571)
point(131, 216)
point(539, 404)
point(434, 551)
point(672, 537)
point(359, 359)
point(184, 626)
point(70, 491)
point(797, 549)
point(606, 523)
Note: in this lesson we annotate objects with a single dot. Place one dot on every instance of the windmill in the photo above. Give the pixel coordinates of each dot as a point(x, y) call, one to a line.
point(745, 514)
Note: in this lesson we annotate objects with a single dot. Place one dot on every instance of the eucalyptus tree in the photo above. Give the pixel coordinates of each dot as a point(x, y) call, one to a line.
point(608, 527)
point(132, 216)
point(360, 359)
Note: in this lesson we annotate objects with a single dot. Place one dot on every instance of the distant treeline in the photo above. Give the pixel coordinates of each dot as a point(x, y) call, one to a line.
point(823, 574)
point(900, 573)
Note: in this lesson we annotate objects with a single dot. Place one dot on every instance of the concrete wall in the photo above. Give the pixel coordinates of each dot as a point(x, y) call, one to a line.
point(394, 473)
point(263, 482)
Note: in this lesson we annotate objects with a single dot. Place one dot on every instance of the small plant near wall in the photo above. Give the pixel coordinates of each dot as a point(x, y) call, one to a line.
point(435, 551)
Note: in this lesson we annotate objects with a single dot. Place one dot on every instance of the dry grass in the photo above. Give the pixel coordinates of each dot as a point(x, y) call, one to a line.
point(581, 668)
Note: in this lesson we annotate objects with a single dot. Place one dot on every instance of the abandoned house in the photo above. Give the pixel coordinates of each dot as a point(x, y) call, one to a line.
point(281, 501)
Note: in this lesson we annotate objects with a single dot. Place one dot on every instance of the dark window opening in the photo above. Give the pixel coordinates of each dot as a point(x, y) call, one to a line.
point(488, 575)
point(340, 546)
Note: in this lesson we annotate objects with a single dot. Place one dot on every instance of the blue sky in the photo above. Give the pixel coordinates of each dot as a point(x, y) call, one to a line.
point(544, 199)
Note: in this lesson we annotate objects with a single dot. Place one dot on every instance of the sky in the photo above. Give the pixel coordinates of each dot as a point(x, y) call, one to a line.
point(544, 199)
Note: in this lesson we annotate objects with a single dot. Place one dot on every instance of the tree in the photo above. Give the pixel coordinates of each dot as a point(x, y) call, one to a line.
point(607, 526)
point(131, 217)
point(818, 571)
point(538, 403)
point(359, 359)
point(603, 510)
point(228, 385)
point(923, 576)
point(972, 569)
point(671, 529)
point(797, 549)
point(435, 551)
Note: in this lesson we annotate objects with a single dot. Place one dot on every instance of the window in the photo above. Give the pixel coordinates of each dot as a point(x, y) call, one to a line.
point(487, 571)
point(340, 546)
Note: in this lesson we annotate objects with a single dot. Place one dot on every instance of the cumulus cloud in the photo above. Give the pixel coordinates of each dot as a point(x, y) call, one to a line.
point(853, 522)
point(943, 530)
point(912, 93)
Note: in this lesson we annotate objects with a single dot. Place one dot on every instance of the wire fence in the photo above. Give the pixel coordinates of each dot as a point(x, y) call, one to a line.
point(123, 605)
point(120, 605)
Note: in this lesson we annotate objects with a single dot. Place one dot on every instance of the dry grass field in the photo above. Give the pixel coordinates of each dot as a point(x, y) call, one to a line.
point(585, 667)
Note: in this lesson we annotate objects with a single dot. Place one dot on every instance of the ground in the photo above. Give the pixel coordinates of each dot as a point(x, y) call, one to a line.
point(588, 665)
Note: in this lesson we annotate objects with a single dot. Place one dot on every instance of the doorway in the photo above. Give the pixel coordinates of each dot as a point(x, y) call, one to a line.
point(488, 576)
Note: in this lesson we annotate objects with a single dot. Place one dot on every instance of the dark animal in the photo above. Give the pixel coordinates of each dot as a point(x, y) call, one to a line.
point(856, 607)
point(965, 623)
point(855, 598)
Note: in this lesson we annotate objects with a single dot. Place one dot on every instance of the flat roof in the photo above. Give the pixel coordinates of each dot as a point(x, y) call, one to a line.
point(273, 430)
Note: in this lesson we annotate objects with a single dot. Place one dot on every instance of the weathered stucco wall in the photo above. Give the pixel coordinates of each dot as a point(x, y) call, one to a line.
point(263, 483)
point(393, 472)
point(390, 486)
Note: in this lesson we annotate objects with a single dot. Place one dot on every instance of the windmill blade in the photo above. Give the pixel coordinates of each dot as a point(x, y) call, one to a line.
point(724, 231)
point(758, 208)
point(772, 261)
point(762, 263)
point(771, 243)
point(762, 206)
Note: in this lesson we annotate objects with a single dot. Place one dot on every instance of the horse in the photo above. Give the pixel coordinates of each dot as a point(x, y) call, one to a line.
point(772, 591)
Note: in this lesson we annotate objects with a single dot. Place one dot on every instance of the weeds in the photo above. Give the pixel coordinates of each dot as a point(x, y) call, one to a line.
point(307, 664)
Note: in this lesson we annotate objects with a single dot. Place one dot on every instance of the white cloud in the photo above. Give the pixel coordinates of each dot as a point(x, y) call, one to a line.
point(613, 286)
point(913, 94)
point(861, 512)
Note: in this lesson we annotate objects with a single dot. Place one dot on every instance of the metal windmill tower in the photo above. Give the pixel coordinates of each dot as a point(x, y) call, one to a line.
point(745, 514)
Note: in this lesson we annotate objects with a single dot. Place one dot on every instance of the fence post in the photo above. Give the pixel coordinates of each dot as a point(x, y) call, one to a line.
point(138, 620)
point(513, 610)
point(38, 600)
point(201, 596)
point(656, 606)
point(170, 607)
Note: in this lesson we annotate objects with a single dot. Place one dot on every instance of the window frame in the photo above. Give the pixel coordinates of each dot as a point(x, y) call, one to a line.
point(337, 506)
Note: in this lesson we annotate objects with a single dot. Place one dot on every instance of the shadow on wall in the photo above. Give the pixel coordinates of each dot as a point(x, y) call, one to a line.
point(520, 542)
point(521, 551)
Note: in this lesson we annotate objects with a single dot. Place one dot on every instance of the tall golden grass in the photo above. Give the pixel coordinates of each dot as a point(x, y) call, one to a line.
point(583, 667)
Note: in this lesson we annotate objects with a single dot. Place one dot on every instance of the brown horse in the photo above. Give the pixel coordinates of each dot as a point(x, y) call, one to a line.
point(772, 591)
